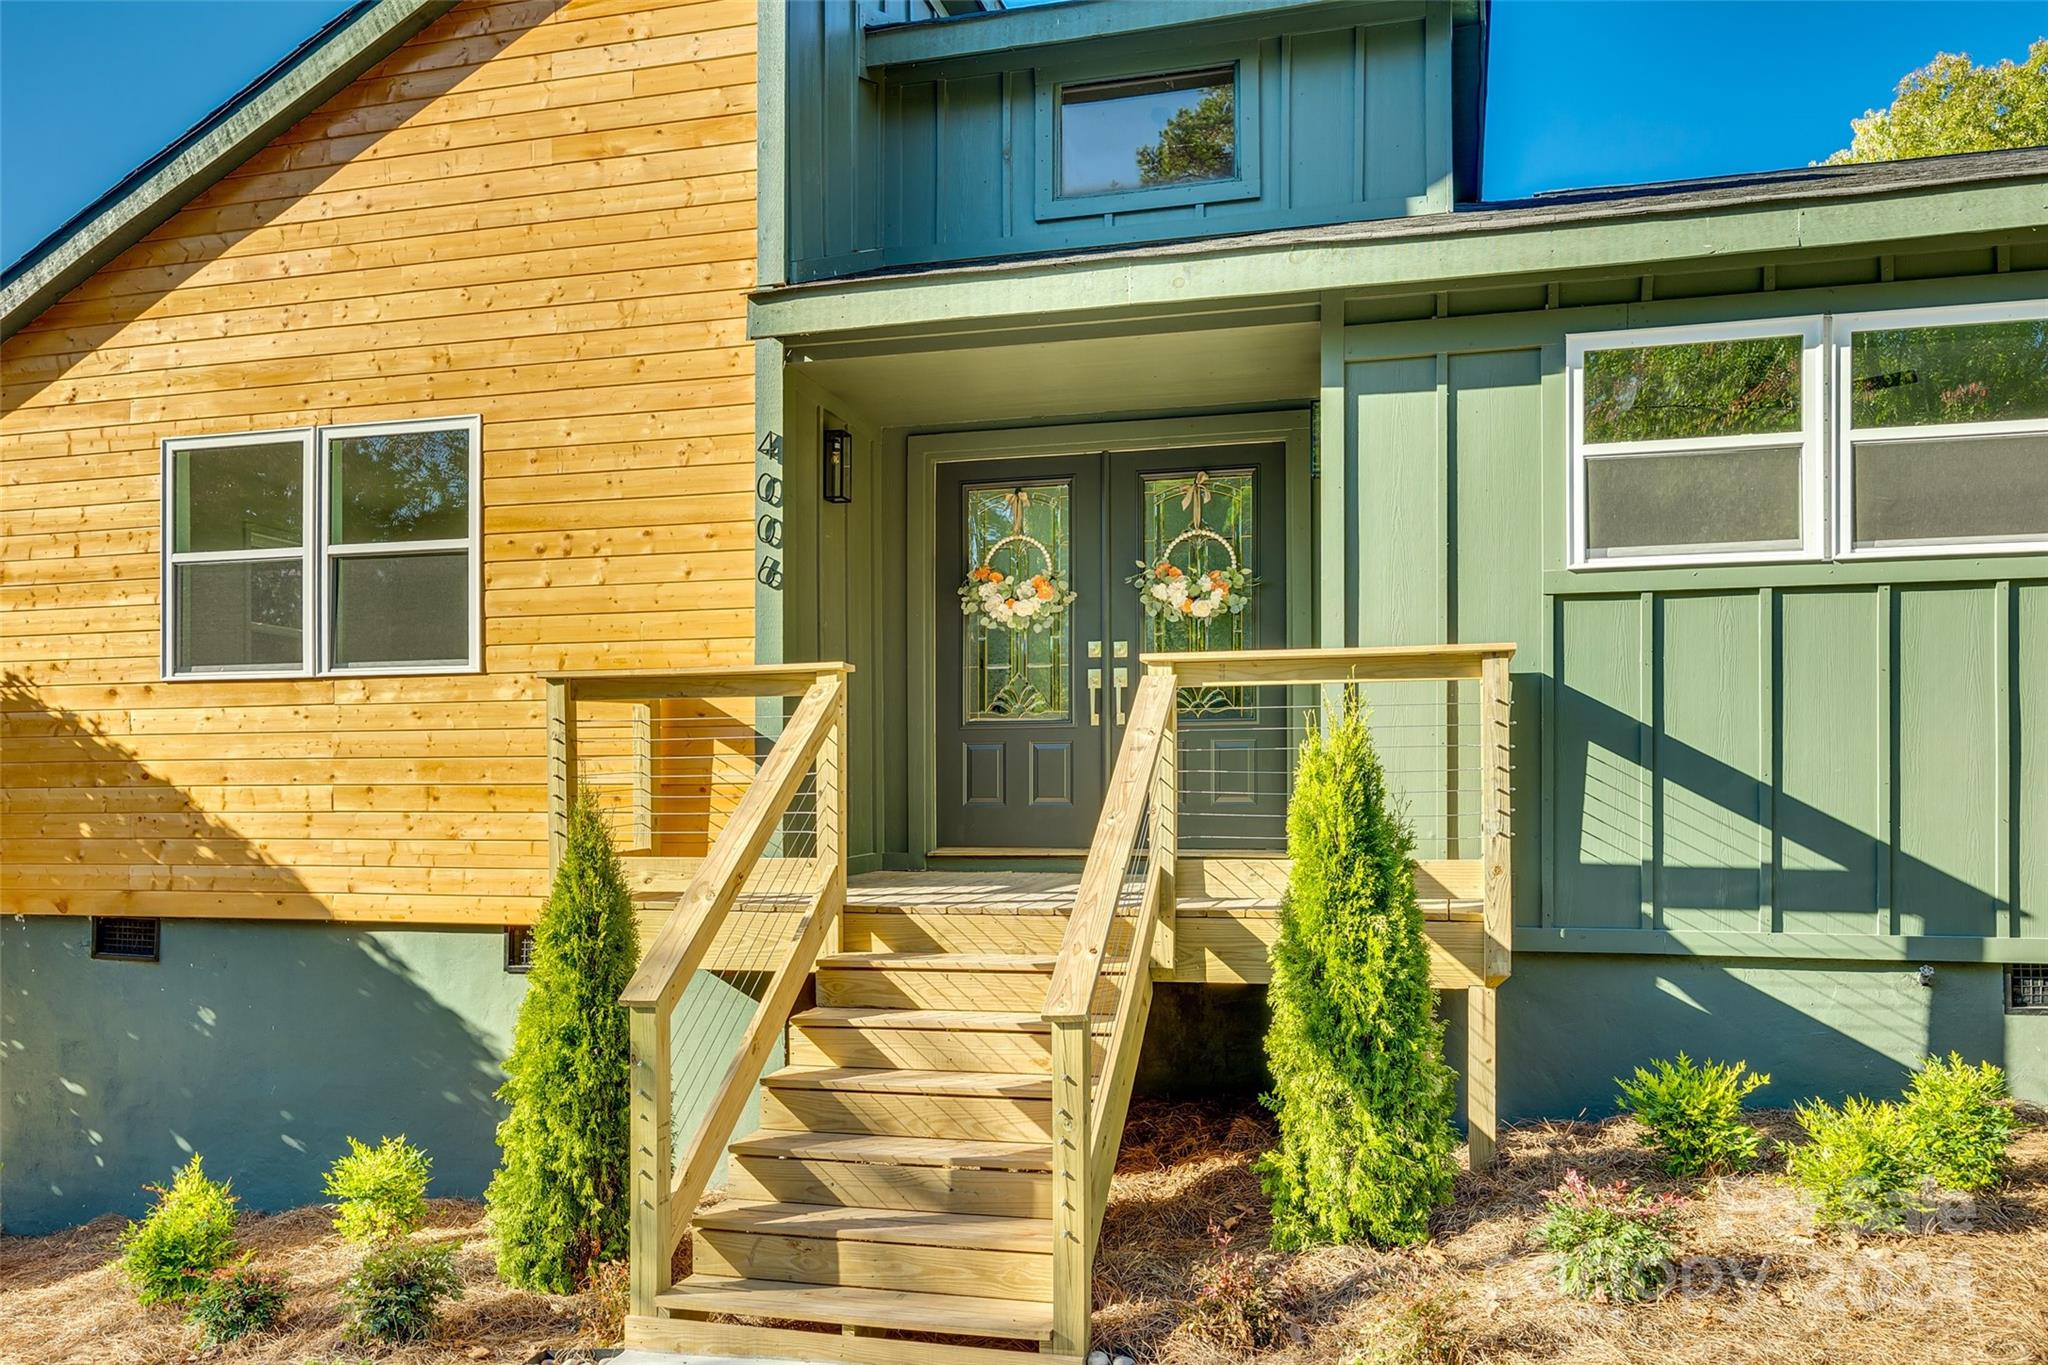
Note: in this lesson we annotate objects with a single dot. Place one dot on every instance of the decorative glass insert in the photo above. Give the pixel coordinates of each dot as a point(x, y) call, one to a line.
point(1744, 387)
point(1178, 129)
point(1012, 675)
point(1951, 374)
point(1224, 504)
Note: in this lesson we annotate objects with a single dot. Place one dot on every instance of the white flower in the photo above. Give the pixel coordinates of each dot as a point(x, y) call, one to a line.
point(1026, 606)
point(1177, 591)
point(1217, 596)
point(1161, 591)
point(1202, 609)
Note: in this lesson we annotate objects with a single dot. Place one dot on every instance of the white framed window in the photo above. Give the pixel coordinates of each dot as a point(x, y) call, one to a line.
point(1942, 422)
point(1697, 444)
point(324, 550)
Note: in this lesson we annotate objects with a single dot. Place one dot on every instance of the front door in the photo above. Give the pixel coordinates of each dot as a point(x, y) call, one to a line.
point(1031, 708)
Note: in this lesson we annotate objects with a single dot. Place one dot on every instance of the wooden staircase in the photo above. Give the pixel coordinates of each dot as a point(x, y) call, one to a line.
point(901, 1178)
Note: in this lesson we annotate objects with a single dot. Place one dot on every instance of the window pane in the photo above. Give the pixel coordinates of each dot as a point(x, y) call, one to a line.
point(401, 609)
point(399, 486)
point(1719, 500)
point(240, 497)
point(1020, 532)
point(1921, 376)
point(1702, 388)
point(1163, 130)
point(1955, 490)
point(245, 615)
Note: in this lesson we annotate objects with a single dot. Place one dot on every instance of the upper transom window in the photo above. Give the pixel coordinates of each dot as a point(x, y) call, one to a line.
point(342, 549)
point(1141, 134)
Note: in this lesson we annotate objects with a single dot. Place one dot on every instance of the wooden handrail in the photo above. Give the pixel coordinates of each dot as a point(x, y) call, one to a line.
point(1071, 993)
point(1379, 663)
point(667, 965)
point(662, 1197)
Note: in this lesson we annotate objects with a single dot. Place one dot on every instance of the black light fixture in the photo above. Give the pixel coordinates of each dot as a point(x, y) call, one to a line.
point(838, 465)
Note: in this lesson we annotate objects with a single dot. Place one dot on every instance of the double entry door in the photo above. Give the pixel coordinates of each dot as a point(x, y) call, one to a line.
point(1032, 708)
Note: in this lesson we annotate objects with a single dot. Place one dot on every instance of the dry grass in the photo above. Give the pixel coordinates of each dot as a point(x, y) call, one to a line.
point(1756, 1284)
point(61, 1300)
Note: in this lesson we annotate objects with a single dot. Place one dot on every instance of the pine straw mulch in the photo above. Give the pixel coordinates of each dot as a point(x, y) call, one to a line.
point(1757, 1287)
point(1755, 1283)
point(61, 1300)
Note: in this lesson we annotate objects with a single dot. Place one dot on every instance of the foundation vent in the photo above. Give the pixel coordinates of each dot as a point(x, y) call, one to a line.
point(518, 948)
point(125, 938)
point(2026, 988)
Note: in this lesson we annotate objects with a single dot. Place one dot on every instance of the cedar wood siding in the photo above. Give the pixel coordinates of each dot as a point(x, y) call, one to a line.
point(537, 211)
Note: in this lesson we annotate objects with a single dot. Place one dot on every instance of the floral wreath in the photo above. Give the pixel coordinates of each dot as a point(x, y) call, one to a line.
point(1015, 603)
point(1182, 599)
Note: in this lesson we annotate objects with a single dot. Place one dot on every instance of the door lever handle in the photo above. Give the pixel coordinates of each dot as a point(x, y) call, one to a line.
point(1094, 696)
point(1122, 677)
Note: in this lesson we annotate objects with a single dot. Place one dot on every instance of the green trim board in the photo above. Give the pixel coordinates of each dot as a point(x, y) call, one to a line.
point(927, 453)
point(1782, 947)
point(223, 140)
point(1828, 211)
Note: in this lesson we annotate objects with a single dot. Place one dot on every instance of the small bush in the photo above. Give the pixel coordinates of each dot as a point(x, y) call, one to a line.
point(1961, 1121)
point(237, 1302)
point(190, 1233)
point(396, 1295)
point(1694, 1114)
point(1858, 1163)
point(1611, 1241)
point(1424, 1332)
point(379, 1192)
point(1236, 1305)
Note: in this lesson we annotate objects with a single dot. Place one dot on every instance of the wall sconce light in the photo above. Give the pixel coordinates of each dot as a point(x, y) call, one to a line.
point(838, 464)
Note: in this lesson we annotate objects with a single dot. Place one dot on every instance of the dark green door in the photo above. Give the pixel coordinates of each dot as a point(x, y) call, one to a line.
point(1029, 720)
point(1203, 510)
point(1020, 747)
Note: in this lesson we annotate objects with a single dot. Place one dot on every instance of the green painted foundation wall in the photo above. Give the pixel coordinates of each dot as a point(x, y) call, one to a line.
point(263, 1047)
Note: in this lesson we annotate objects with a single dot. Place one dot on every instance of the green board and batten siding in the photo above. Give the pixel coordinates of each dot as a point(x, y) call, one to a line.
point(1802, 762)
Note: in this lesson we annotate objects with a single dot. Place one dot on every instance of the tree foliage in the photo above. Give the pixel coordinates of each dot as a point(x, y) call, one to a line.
point(1952, 105)
point(1197, 143)
point(1360, 1086)
point(558, 1201)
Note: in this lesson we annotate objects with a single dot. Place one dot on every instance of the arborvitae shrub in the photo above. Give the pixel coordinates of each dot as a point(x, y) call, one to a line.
point(558, 1201)
point(379, 1192)
point(1360, 1086)
point(1693, 1114)
point(1962, 1122)
point(171, 1254)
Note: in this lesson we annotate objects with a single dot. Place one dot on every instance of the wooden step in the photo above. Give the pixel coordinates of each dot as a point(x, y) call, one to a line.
point(899, 1151)
point(944, 981)
point(871, 1172)
point(1003, 1258)
point(947, 1040)
point(952, 1314)
point(981, 1106)
point(916, 929)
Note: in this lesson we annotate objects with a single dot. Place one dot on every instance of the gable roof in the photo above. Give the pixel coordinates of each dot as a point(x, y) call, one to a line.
point(307, 76)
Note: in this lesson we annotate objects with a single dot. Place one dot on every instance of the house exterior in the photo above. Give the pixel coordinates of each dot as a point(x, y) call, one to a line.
point(499, 347)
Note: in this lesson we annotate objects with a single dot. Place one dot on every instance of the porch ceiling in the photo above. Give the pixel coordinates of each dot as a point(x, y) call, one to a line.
point(966, 380)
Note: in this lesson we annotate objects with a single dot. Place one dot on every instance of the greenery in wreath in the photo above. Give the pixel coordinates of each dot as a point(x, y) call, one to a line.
point(1012, 602)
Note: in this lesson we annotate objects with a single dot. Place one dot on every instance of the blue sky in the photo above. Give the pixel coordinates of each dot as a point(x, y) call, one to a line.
point(1584, 92)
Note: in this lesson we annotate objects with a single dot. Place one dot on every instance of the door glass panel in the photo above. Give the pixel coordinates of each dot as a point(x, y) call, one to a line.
point(1201, 523)
point(1019, 533)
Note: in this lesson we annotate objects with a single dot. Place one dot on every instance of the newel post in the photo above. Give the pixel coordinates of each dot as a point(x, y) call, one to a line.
point(649, 1242)
point(1482, 1002)
point(561, 767)
point(1166, 832)
point(1073, 1241)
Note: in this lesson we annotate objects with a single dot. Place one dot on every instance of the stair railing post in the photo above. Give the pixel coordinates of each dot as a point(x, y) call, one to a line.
point(1073, 1238)
point(1166, 833)
point(831, 805)
point(648, 1239)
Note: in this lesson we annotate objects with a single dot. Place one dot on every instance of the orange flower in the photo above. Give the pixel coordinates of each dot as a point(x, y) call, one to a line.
point(1173, 571)
point(1044, 591)
point(1187, 608)
point(980, 571)
point(995, 576)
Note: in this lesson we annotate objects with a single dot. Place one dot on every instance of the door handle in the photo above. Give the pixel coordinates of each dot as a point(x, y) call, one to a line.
point(1122, 677)
point(1094, 696)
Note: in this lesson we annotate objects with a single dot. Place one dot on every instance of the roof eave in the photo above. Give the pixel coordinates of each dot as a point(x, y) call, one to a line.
point(121, 217)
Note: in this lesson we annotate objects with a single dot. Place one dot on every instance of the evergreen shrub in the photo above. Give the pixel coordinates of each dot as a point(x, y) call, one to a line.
point(1693, 1114)
point(170, 1255)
